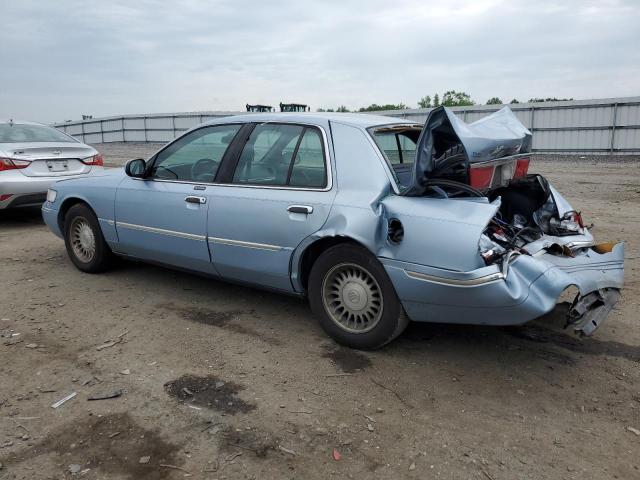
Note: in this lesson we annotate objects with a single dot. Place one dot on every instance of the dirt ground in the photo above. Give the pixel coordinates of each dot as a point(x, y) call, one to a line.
point(220, 381)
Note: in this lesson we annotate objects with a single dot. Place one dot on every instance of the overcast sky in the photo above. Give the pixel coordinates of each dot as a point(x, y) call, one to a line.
point(61, 59)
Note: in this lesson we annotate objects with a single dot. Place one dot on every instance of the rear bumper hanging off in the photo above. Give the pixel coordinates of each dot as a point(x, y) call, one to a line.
point(529, 289)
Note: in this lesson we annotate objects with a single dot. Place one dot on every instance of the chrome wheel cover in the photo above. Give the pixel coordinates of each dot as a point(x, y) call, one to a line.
point(83, 241)
point(352, 298)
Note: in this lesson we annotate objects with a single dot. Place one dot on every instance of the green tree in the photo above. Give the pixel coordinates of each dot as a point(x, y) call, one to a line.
point(342, 109)
point(494, 101)
point(549, 99)
point(514, 101)
point(320, 110)
point(374, 107)
point(453, 98)
point(436, 100)
point(425, 102)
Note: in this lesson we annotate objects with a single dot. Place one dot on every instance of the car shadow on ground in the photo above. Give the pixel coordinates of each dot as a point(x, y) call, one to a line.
point(20, 217)
point(543, 339)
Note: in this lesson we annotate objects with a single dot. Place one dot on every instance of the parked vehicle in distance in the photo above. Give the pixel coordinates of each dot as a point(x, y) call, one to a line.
point(33, 156)
point(376, 220)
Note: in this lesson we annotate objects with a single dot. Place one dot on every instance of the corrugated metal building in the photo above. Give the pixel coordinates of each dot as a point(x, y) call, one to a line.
point(606, 126)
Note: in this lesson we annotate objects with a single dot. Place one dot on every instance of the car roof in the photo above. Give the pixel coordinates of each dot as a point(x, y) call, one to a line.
point(355, 119)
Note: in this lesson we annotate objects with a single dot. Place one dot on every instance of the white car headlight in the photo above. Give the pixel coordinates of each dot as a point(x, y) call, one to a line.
point(51, 196)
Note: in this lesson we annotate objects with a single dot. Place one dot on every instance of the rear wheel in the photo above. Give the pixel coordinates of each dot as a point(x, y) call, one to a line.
point(85, 243)
point(354, 299)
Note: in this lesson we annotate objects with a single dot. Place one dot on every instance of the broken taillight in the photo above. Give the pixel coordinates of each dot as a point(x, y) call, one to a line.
point(498, 173)
point(522, 166)
point(480, 176)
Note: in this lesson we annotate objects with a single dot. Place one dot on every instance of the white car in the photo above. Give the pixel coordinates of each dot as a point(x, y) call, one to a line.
point(33, 156)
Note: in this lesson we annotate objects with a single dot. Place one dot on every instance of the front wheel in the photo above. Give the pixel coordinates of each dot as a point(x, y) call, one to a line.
point(85, 243)
point(354, 299)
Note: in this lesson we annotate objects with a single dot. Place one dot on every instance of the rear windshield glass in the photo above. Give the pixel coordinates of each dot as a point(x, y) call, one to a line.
point(398, 145)
point(18, 133)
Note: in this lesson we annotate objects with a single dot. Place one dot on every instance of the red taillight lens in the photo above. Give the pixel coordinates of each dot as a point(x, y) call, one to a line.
point(12, 164)
point(6, 196)
point(522, 166)
point(95, 160)
point(480, 177)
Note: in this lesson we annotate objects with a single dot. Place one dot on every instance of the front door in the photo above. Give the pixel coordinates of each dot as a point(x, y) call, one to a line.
point(163, 218)
point(278, 193)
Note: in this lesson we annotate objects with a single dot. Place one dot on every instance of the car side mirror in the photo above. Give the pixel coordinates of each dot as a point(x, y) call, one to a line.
point(136, 168)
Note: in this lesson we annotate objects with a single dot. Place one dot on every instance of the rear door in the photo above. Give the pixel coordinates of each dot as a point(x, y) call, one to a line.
point(163, 218)
point(277, 192)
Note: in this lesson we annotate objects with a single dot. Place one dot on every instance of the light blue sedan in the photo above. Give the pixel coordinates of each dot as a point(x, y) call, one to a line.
point(376, 220)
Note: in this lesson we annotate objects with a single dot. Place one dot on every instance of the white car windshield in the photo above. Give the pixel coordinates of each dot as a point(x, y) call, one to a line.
point(20, 133)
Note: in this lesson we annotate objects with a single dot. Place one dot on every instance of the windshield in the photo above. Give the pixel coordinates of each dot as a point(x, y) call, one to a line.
point(398, 145)
point(19, 133)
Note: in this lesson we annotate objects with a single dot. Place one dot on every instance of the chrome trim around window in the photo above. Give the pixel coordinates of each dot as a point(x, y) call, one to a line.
point(240, 243)
point(456, 282)
point(161, 231)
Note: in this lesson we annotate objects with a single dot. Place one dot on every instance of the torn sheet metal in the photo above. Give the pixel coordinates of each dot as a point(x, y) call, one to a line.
point(589, 311)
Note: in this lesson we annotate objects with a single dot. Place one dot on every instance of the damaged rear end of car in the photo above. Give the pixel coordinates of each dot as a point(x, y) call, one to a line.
point(514, 245)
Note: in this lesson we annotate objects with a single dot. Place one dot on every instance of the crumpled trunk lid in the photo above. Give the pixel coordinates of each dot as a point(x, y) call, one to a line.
point(495, 136)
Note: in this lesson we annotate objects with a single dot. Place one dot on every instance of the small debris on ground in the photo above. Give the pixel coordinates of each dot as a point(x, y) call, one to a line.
point(108, 344)
point(635, 431)
point(105, 396)
point(63, 400)
point(126, 371)
point(144, 459)
point(286, 450)
point(412, 467)
point(75, 468)
point(336, 455)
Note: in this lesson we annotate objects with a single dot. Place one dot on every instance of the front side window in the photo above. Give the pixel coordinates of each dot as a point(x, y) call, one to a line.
point(18, 133)
point(282, 155)
point(196, 156)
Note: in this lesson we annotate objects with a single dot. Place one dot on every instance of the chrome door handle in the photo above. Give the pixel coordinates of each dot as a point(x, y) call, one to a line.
point(300, 209)
point(195, 199)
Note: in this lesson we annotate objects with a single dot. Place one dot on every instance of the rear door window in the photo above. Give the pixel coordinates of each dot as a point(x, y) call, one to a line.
point(282, 155)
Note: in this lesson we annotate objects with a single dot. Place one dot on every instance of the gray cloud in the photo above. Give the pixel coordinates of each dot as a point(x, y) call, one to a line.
point(61, 59)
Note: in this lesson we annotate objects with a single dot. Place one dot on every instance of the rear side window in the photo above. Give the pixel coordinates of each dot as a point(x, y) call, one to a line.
point(398, 144)
point(398, 147)
point(282, 155)
point(16, 133)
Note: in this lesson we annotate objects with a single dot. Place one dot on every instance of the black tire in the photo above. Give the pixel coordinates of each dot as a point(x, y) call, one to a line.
point(102, 257)
point(391, 318)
